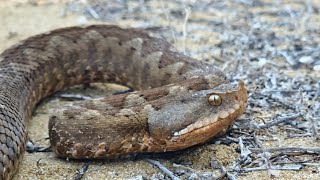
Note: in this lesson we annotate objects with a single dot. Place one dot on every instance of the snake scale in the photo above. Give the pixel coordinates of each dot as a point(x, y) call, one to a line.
point(179, 102)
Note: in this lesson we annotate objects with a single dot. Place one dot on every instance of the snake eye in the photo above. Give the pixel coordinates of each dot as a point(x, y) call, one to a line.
point(214, 100)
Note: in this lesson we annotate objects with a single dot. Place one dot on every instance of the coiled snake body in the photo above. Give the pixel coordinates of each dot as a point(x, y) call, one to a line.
point(183, 102)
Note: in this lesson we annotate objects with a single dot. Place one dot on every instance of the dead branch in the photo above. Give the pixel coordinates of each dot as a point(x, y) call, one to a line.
point(278, 121)
point(163, 168)
point(290, 149)
point(290, 167)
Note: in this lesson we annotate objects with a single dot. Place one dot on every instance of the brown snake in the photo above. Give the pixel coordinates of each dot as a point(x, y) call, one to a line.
point(182, 101)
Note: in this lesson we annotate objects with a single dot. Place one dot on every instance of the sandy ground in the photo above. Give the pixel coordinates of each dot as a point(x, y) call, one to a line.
point(21, 19)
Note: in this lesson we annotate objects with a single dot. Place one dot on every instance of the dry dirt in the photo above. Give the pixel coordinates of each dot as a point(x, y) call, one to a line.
point(229, 33)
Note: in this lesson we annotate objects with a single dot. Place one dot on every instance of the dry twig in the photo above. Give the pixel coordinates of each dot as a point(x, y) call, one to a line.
point(290, 149)
point(163, 168)
point(291, 167)
point(278, 121)
point(81, 172)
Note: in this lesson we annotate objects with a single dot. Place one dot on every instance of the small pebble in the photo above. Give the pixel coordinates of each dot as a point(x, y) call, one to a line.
point(306, 60)
point(316, 67)
point(139, 177)
point(82, 20)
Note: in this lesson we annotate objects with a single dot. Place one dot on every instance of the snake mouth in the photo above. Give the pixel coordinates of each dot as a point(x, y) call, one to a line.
point(207, 128)
point(207, 121)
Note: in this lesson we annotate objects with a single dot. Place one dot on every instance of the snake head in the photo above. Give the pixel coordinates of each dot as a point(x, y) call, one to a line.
point(199, 116)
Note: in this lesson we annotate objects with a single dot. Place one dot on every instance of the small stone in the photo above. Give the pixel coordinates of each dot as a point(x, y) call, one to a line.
point(82, 20)
point(193, 176)
point(306, 59)
point(316, 67)
point(262, 62)
point(157, 176)
point(139, 177)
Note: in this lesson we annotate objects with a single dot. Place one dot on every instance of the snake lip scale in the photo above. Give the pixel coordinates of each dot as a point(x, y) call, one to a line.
point(179, 102)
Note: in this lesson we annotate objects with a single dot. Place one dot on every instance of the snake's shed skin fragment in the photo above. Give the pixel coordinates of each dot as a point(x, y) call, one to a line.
point(181, 102)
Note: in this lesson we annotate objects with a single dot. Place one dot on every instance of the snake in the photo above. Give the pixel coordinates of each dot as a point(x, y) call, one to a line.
point(178, 101)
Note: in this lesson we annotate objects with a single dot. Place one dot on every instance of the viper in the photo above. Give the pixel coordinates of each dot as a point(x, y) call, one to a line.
point(179, 102)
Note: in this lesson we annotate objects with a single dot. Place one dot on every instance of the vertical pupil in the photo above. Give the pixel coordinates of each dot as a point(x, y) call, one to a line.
point(214, 100)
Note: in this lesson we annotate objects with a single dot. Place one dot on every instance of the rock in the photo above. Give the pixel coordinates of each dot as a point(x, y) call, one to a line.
point(306, 59)
point(316, 67)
